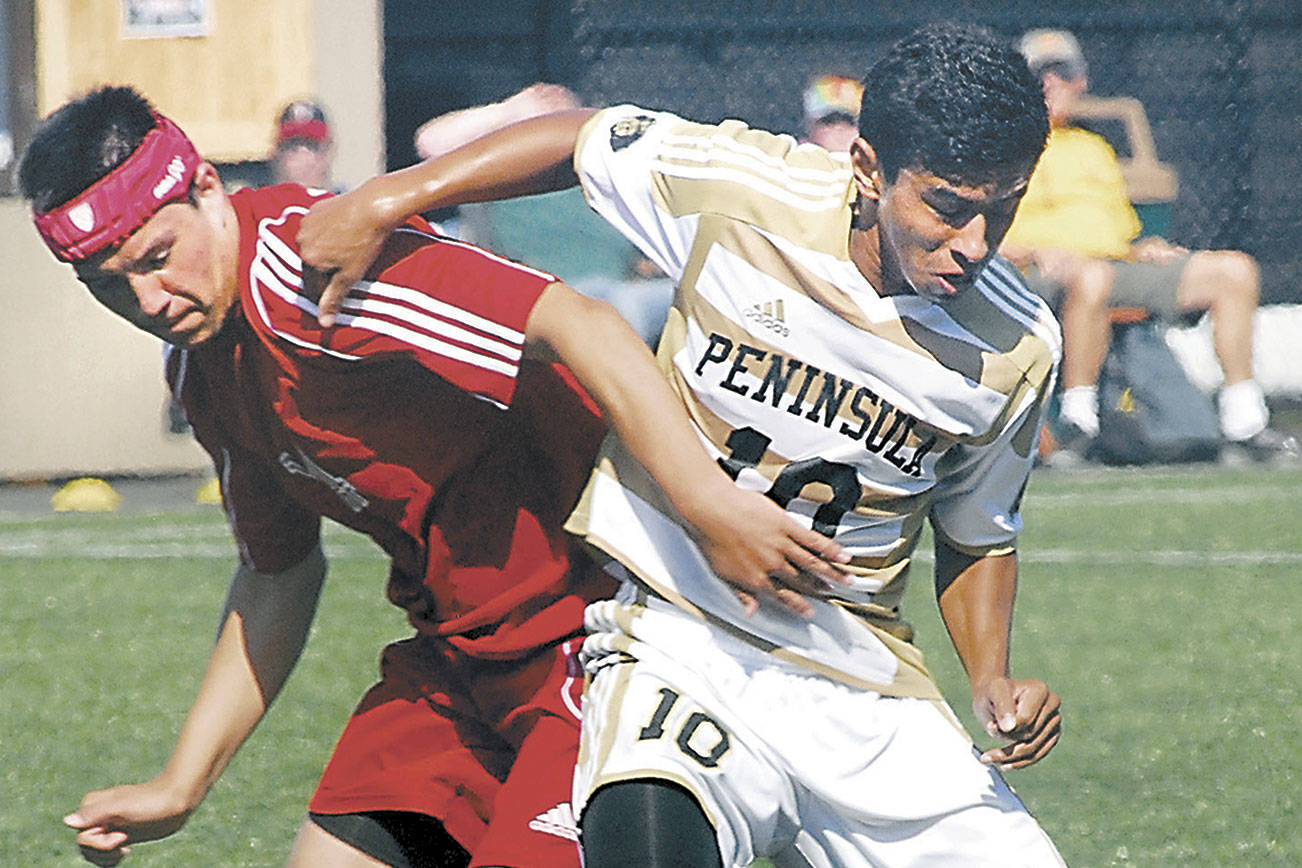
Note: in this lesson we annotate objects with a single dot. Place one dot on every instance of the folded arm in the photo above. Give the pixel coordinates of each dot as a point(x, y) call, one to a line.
point(263, 629)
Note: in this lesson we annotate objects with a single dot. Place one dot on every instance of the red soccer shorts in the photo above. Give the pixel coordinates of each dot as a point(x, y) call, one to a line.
point(486, 746)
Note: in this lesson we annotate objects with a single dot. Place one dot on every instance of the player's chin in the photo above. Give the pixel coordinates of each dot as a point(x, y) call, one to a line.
point(942, 289)
point(931, 289)
point(187, 339)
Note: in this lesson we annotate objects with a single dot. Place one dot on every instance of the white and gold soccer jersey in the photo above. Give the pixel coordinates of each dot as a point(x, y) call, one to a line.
point(862, 414)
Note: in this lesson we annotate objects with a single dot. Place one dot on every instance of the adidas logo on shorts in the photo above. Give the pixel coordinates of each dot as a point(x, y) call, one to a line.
point(558, 821)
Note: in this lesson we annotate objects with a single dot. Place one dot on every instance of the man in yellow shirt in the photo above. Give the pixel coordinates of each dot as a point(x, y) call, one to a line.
point(1076, 237)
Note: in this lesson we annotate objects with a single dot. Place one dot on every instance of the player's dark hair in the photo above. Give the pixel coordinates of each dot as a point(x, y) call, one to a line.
point(81, 142)
point(956, 100)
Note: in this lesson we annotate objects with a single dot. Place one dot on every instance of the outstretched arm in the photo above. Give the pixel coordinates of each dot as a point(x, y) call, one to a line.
point(749, 540)
point(976, 601)
point(264, 626)
point(341, 236)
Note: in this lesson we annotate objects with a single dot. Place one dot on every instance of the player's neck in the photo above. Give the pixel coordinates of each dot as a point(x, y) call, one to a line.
point(866, 254)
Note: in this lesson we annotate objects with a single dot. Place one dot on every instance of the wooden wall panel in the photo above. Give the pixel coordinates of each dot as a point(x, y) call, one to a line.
point(224, 89)
point(90, 397)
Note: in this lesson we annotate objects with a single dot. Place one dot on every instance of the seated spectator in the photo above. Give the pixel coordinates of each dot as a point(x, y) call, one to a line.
point(304, 146)
point(832, 112)
point(1076, 237)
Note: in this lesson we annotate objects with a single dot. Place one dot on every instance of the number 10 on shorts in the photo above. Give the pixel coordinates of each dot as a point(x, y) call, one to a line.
point(698, 731)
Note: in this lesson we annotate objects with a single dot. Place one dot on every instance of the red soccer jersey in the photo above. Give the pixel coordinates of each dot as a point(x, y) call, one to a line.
point(413, 420)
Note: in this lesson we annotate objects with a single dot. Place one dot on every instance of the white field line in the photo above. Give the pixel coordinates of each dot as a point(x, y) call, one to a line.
point(72, 536)
point(154, 537)
point(146, 551)
point(1150, 557)
point(1122, 496)
point(148, 542)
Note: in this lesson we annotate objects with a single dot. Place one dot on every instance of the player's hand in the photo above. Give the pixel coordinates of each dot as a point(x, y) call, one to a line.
point(1017, 254)
point(1156, 250)
point(1057, 265)
point(765, 554)
point(1026, 713)
point(109, 821)
point(540, 98)
point(339, 239)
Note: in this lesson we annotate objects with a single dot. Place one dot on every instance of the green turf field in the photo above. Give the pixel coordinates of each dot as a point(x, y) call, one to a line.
point(1160, 604)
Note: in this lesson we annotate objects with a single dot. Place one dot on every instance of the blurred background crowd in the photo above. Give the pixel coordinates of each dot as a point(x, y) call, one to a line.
point(327, 92)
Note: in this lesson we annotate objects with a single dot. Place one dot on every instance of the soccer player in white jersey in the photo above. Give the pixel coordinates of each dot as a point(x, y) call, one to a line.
point(845, 340)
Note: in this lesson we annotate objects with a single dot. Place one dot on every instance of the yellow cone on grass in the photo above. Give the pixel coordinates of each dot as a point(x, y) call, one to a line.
point(87, 494)
point(210, 493)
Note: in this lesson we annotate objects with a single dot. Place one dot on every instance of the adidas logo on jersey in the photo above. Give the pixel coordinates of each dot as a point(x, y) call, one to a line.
point(769, 314)
point(558, 821)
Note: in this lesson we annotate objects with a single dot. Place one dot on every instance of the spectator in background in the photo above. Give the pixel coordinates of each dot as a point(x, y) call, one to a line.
point(639, 290)
point(439, 135)
point(1076, 237)
point(832, 112)
point(304, 146)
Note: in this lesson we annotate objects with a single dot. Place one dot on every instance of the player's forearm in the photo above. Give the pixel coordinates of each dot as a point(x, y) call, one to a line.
point(533, 156)
point(264, 628)
point(977, 606)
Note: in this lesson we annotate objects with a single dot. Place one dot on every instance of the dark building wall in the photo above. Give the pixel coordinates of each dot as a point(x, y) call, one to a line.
point(1219, 79)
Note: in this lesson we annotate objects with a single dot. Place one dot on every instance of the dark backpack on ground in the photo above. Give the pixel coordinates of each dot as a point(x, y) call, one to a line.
point(1149, 410)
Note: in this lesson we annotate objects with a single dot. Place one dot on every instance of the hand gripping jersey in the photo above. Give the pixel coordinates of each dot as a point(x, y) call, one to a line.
point(413, 420)
point(861, 414)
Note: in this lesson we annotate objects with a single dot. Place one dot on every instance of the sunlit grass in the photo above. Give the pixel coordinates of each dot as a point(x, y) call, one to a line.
point(1160, 605)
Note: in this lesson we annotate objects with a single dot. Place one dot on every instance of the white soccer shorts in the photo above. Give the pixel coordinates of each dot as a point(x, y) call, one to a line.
point(786, 763)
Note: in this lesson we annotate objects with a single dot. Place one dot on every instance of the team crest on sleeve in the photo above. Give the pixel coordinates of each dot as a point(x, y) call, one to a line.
point(626, 131)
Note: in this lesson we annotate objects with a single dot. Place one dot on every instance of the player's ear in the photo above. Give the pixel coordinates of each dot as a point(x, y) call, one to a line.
point(206, 180)
point(867, 183)
point(867, 175)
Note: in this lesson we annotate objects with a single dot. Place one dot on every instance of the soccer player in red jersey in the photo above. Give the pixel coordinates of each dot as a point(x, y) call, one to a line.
point(446, 414)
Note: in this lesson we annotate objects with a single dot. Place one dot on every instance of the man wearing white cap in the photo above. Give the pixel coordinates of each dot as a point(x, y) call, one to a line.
point(1076, 236)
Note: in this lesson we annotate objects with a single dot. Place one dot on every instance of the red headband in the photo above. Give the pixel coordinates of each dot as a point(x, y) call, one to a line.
point(315, 130)
point(159, 171)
